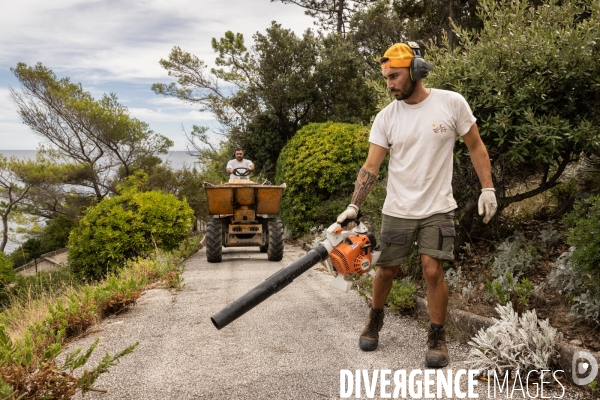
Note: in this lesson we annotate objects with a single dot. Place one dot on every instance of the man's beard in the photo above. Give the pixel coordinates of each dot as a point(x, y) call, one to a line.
point(406, 91)
point(239, 158)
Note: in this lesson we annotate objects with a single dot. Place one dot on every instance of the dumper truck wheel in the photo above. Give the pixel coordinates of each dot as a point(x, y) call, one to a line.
point(275, 246)
point(265, 226)
point(214, 240)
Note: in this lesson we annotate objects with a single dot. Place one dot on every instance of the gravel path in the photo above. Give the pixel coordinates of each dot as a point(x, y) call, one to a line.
point(292, 346)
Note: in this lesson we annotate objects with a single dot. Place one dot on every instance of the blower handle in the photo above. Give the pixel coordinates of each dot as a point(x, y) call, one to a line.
point(347, 221)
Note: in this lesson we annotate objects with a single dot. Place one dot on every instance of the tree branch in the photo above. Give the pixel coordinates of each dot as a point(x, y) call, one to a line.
point(553, 181)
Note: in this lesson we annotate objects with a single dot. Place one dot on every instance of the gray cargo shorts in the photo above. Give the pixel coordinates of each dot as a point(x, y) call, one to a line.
point(434, 235)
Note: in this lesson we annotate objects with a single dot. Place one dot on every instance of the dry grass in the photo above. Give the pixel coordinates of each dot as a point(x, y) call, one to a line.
point(32, 310)
point(45, 382)
point(33, 307)
point(119, 302)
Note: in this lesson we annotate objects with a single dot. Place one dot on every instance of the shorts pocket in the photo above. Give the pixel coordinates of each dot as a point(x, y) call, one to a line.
point(446, 231)
point(393, 236)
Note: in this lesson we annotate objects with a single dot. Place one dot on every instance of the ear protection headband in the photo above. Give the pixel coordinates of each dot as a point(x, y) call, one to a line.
point(419, 68)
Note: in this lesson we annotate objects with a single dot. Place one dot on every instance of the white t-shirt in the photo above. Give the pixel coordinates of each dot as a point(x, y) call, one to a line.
point(233, 164)
point(421, 140)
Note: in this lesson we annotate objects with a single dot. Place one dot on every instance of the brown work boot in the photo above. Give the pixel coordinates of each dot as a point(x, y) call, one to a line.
point(369, 338)
point(437, 352)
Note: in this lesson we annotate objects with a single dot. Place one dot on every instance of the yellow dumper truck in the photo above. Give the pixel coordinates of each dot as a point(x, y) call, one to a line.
point(244, 214)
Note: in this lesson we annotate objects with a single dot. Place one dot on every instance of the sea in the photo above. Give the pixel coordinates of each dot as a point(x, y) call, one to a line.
point(177, 160)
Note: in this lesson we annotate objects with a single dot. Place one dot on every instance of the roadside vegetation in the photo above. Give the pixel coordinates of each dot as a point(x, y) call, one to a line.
point(125, 227)
point(44, 313)
point(121, 246)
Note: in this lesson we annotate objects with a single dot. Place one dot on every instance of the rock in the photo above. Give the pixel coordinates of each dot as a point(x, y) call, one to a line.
point(576, 342)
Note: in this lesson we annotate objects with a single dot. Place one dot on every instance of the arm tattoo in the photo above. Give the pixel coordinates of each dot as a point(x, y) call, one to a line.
point(364, 183)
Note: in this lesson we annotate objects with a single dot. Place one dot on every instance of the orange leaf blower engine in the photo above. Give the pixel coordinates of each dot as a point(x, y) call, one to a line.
point(352, 256)
point(355, 254)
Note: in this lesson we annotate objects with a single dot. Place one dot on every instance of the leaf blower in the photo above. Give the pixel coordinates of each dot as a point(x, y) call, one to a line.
point(346, 252)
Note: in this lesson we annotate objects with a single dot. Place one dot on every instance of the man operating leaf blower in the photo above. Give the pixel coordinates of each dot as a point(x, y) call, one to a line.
point(419, 130)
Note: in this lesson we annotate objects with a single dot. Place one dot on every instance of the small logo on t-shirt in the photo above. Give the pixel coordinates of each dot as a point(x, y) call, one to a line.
point(439, 129)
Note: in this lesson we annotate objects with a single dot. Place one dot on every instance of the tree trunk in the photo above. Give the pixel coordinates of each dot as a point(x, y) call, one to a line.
point(97, 190)
point(4, 232)
point(451, 38)
point(340, 16)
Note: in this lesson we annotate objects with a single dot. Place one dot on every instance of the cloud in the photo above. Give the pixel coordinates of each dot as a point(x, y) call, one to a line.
point(7, 108)
point(178, 115)
point(115, 46)
point(15, 136)
point(124, 39)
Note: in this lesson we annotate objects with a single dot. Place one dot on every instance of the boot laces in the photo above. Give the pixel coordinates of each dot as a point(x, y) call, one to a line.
point(374, 323)
point(434, 337)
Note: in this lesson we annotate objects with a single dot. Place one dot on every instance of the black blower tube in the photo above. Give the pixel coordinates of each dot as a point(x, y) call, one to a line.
point(269, 287)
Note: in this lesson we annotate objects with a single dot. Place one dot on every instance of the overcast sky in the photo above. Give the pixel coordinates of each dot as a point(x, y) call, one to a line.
point(114, 46)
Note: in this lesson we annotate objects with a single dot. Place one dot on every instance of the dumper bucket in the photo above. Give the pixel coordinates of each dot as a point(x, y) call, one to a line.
point(224, 199)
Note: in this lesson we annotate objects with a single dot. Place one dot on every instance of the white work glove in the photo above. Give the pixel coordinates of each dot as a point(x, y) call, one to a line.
point(487, 204)
point(350, 213)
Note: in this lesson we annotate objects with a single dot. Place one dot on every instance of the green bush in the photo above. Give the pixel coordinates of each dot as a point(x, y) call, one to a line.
point(401, 296)
point(319, 165)
point(56, 233)
point(124, 227)
point(509, 288)
point(7, 275)
point(584, 233)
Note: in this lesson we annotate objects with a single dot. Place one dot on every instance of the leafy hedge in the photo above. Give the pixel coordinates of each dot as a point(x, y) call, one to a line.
point(124, 227)
point(530, 77)
point(584, 228)
point(319, 165)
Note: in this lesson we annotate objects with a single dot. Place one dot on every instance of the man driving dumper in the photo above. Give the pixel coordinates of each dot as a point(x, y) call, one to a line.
point(239, 167)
